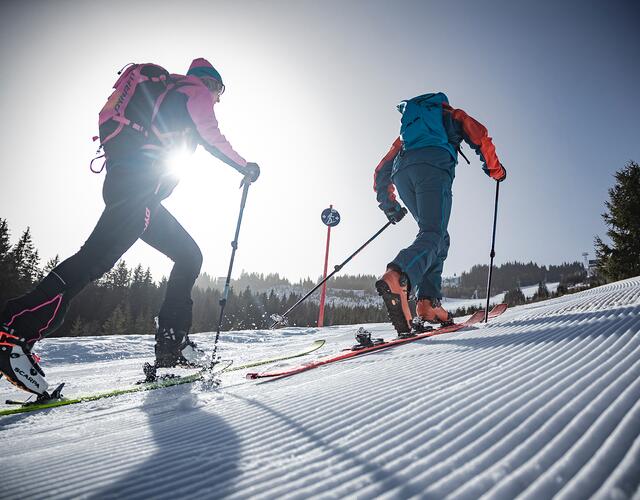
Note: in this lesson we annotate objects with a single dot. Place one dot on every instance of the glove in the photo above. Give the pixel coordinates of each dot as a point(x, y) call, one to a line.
point(504, 175)
point(252, 171)
point(395, 214)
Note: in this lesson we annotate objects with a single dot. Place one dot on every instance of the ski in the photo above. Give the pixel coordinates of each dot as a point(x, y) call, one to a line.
point(28, 406)
point(151, 372)
point(473, 319)
point(164, 382)
point(312, 347)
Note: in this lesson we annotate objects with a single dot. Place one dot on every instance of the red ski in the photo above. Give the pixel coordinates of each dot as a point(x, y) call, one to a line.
point(475, 318)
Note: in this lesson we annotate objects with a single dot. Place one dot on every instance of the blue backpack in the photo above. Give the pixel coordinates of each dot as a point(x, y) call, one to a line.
point(422, 123)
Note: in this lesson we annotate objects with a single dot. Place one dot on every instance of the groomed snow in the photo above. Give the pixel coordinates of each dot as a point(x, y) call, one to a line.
point(543, 402)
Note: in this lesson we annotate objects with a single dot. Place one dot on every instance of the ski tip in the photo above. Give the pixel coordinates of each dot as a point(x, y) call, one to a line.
point(251, 375)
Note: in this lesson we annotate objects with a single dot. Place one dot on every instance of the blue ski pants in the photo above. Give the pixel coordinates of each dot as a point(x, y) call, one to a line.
point(425, 189)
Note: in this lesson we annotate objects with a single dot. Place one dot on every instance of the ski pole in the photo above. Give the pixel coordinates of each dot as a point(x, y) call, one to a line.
point(493, 252)
point(279, 319)
point(234, 246)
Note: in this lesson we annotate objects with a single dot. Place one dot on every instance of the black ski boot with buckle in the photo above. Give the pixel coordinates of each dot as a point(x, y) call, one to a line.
point(174, 348)
point(18, 365)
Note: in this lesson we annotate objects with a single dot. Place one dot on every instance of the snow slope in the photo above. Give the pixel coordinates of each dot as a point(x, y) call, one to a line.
point(543, 402)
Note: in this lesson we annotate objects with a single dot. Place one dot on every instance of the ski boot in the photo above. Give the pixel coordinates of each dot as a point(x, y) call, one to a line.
point(393, 287)
point(174, 348)
point(431, 311)
point(19, 365)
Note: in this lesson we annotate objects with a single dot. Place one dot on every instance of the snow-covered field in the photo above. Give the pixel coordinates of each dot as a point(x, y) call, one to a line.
point(543, 402)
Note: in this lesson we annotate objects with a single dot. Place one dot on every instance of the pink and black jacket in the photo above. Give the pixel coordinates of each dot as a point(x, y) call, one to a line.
point(183, 116)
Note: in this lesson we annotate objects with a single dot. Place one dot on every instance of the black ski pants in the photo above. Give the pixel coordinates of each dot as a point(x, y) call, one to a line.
point(132, 194)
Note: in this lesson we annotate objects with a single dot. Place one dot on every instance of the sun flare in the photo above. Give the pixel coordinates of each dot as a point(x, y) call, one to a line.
point(179, 160)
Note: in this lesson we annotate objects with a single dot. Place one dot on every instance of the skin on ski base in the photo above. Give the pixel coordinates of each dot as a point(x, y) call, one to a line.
point(157, 385)
point(477, 317)
point(314, 347)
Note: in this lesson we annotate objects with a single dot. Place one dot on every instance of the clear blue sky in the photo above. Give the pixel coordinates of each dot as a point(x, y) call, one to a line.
point(311, 94)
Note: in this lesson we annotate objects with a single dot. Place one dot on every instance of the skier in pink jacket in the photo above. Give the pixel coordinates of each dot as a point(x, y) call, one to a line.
point(149, 115)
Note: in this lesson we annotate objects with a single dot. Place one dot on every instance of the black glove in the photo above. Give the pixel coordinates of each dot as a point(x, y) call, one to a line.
point(252, 171)
point(395, 214)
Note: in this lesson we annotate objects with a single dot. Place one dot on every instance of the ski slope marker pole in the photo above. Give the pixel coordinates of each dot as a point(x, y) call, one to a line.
point(493, 253)
point(323, 293)
point(234, 246)
point(282, 318)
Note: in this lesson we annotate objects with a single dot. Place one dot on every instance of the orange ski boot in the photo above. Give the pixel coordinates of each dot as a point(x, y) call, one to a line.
point(431, 311)
point(393, 287)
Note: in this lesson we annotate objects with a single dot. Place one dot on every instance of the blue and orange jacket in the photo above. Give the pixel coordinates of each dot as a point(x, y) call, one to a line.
point(459, 126)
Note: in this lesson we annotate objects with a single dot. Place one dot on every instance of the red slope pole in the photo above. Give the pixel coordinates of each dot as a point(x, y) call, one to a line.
point(324, 275)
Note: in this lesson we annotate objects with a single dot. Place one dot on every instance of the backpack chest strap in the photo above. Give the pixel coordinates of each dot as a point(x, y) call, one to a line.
point(124, 121)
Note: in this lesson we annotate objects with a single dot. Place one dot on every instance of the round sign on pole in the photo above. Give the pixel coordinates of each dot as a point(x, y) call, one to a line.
point(330, 217)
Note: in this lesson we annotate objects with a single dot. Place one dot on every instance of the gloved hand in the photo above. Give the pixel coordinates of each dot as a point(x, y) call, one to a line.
point(395, 214)
point(500, 176)
point(252, 171)
point(505, 174)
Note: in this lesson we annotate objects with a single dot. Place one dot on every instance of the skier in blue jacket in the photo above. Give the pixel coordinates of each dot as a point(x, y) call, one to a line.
point(421, 164)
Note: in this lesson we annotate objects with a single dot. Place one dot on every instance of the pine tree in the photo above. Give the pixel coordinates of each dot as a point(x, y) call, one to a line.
point(78, 328)
point(25, 261)
point(49, 266)
point(542, 293)
point(7, 268)
point(116, 324)
point(120, 276)
point(137, 292)
point(5, 244)
point(622, 259)
point(142, 325)
point(514, 297)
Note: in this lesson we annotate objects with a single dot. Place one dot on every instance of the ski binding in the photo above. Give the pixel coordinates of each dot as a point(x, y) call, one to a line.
point(363, 337)
point(208, 372)
point(151, 375)
point(41, 398)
